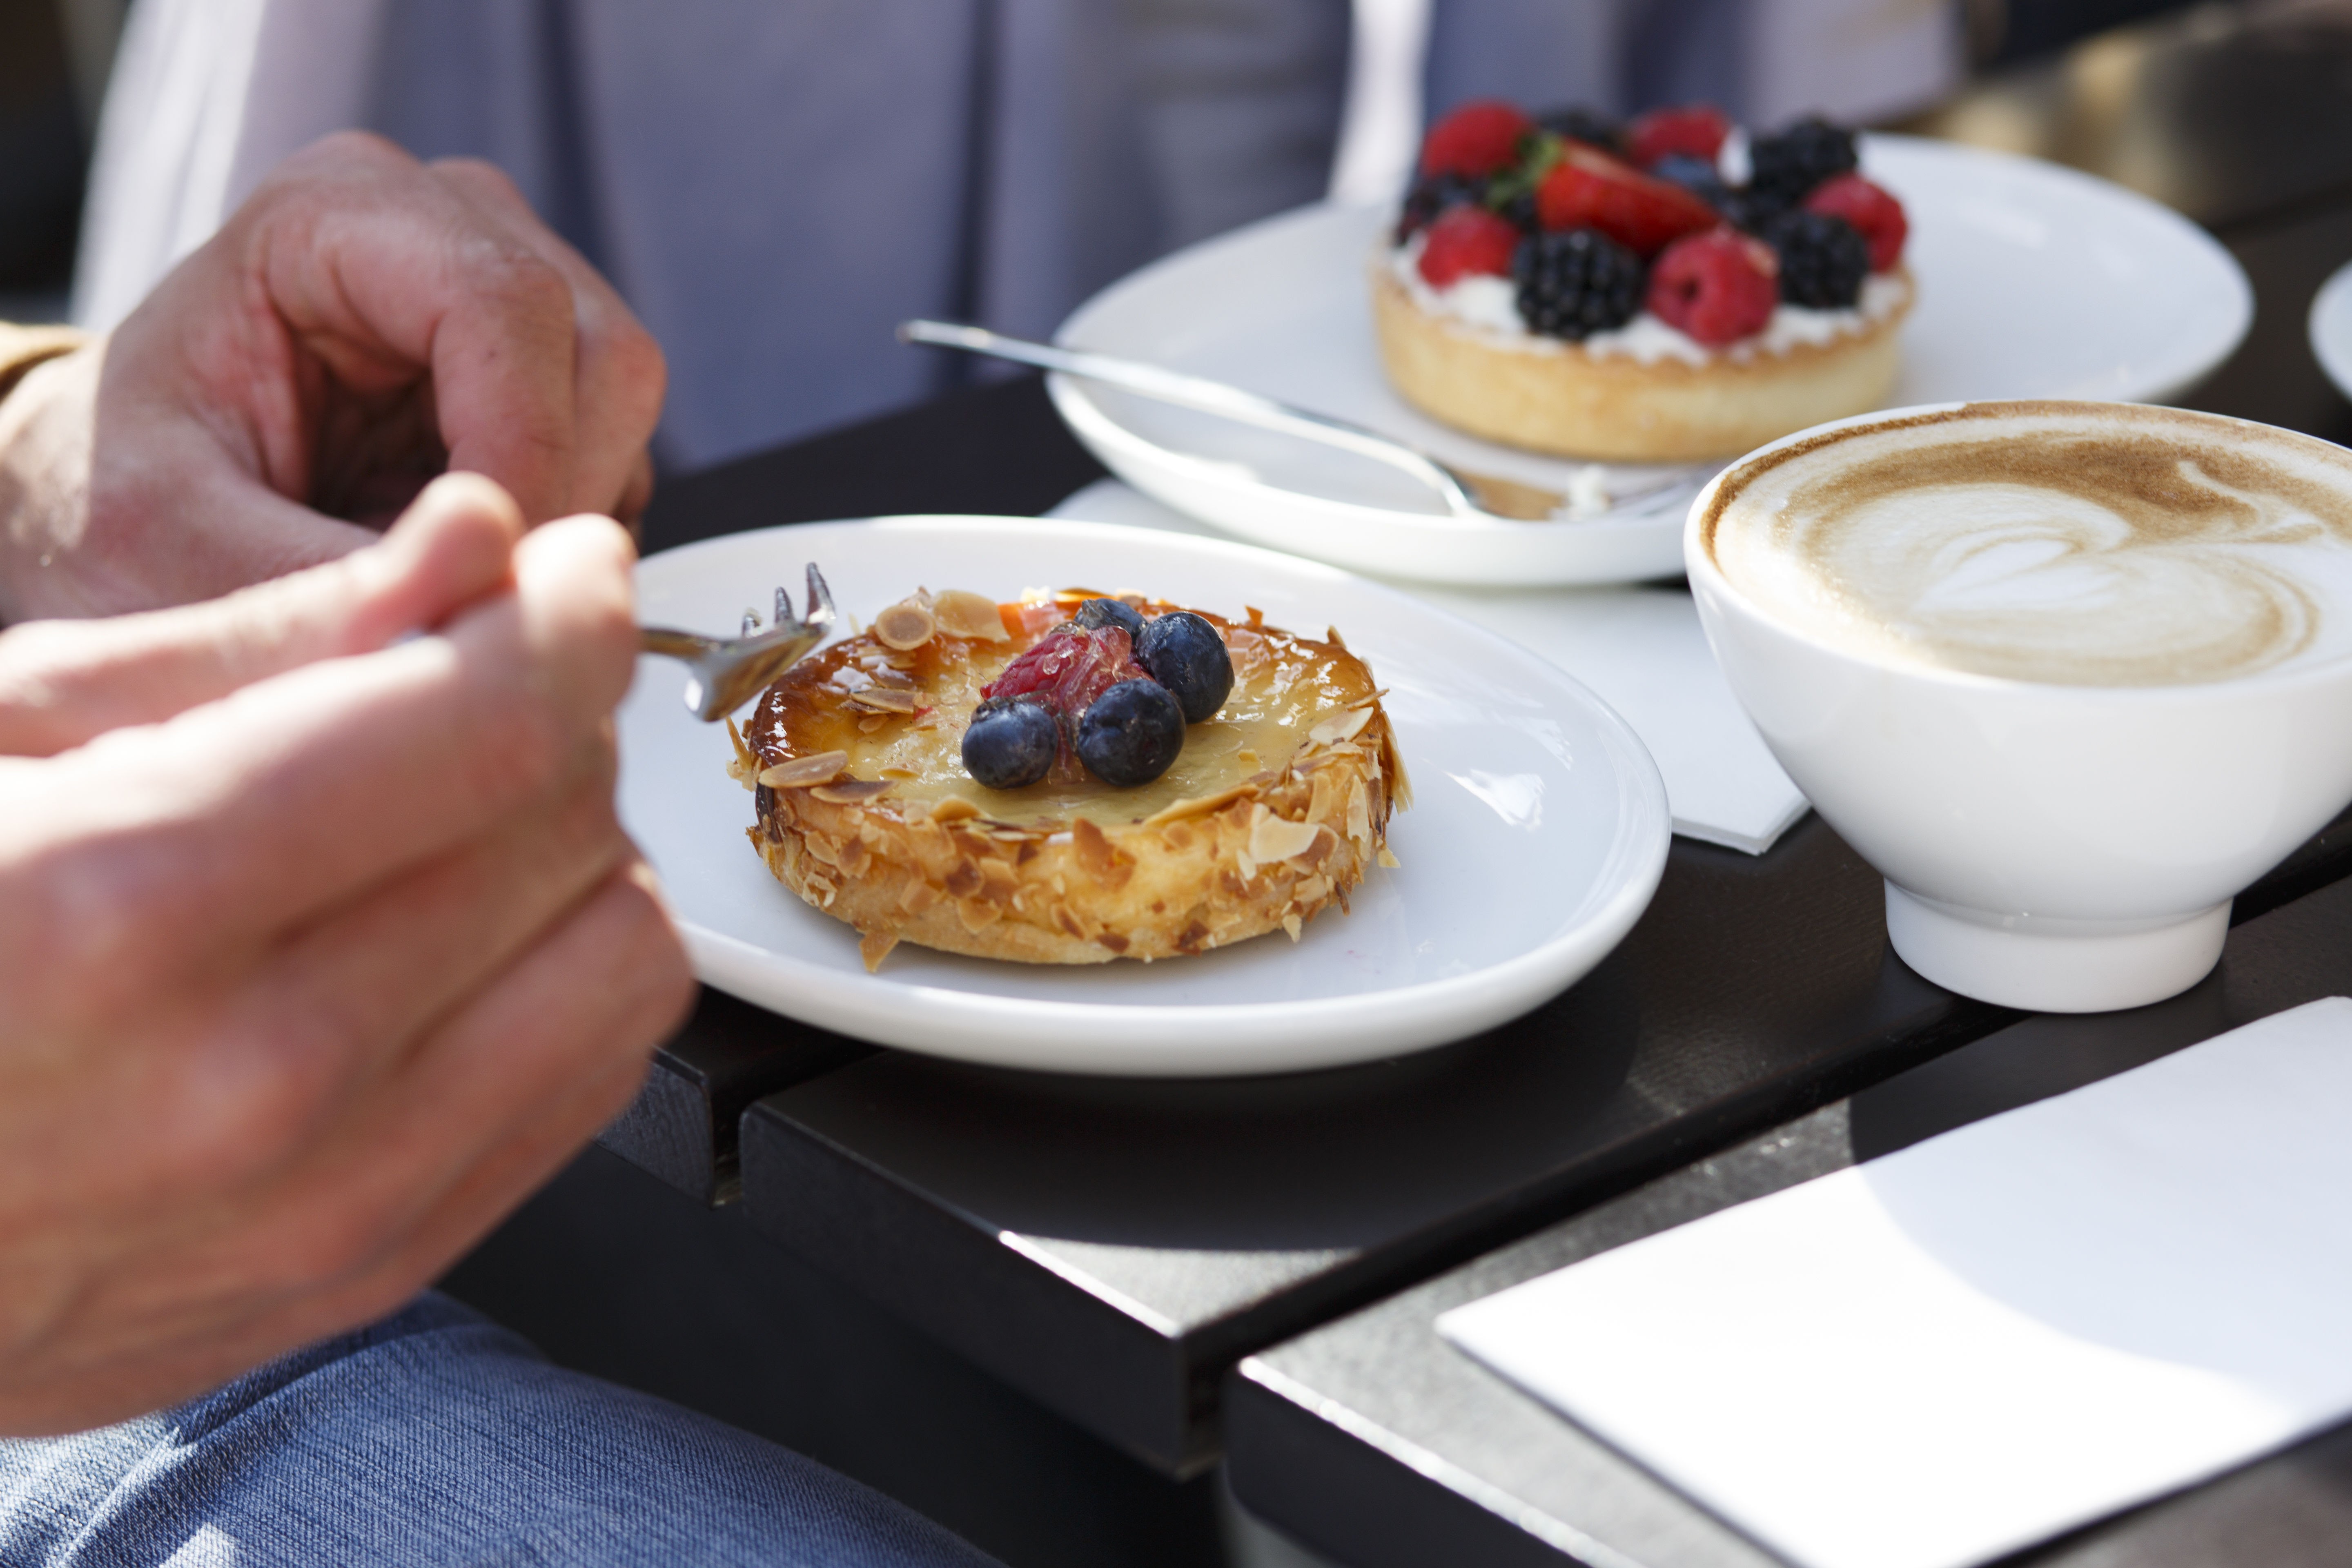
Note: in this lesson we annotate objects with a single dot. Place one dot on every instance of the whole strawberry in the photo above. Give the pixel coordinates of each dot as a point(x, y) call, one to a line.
point(1591, 190)
point(1465, 241)
point(1717, 287)
point(1693, 130)
point(1477, 139)
point(1877, 216)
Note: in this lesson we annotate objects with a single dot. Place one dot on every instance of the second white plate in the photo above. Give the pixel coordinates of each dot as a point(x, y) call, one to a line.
point(1536, 834)
point(2034, 282)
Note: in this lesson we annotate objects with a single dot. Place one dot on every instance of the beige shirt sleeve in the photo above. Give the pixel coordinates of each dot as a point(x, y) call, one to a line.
point(22, 348)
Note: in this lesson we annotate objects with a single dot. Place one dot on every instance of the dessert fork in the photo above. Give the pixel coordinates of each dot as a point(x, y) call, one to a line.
point(724, 673)
point(1466, 492)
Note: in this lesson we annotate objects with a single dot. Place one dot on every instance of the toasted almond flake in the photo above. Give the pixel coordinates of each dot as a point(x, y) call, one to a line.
point(1331, 634)
point(798, 772)
point(908, 624)
point(1290, 924)
point(1244, 864)
point(1360, 817)
point(1311, 888)
point(953, 808)
point(1177, 810)
point(900, 774)
point(977, 914)
point(967, 615)
point(919, 897)
point(1342, 727)
point(875, 948)
point(1246, 759)
point(871, 722)
point(1274, 838)
point(850, 792)
point(1386, 858)
point(883, 700)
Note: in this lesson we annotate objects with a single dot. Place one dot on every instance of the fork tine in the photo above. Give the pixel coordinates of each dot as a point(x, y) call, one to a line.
point(821, 611)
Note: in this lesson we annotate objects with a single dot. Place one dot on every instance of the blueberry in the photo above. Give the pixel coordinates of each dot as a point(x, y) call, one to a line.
point(1184, 654)
point(1697, 176)
point(1095, 614)
point(1131, 734)
point(1011, 742)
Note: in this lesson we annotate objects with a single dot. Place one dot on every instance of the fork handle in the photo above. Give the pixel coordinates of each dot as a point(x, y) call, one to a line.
point(1197, 392)
point(688, 646)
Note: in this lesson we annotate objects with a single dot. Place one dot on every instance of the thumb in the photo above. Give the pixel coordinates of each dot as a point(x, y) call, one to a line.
point(63, 682)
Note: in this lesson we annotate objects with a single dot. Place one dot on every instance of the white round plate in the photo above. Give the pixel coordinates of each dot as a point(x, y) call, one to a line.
point(2034, 282)
point(1536, 834)
point(2331, 329)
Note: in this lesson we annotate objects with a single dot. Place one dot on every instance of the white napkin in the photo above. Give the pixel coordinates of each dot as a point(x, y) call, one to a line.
point(1639, 650)
point(1991, 1337)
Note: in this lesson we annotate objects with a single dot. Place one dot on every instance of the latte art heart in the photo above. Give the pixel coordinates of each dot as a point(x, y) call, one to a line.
point(2125, 547)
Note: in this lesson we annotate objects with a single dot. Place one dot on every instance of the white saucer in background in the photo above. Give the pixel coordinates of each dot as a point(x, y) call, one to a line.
point(2034, 282)
point(2331, 328)
point(1537, 835)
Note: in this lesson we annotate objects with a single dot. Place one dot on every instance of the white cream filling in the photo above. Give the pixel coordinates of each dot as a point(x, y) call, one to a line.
point(1489, 305)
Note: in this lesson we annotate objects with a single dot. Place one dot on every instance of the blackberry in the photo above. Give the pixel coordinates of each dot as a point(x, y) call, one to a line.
point(1585, 125)
point(1782, 168)
point(1577, 282)
point(1823, 259)
point(1432, 195)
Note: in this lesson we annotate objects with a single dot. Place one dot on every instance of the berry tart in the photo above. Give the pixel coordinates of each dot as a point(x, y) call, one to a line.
point(1577, 287)
point(1072, 778)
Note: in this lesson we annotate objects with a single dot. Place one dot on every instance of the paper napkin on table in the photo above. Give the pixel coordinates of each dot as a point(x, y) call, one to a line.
point(1639, 650)
point(1987, 1339)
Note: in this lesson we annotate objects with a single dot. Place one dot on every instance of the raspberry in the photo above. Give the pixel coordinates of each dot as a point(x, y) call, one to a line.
point(1591, 190)
point(1783, 168)
point(1875, 215)
point(1068, 667)
point(1695, 130)
point(1822, 259)
point(1478, 138)
point(1574, 284)
point(1467, 240)
point(1718, 287)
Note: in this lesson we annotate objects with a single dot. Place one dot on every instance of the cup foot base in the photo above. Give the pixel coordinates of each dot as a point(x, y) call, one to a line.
point(2050, 965)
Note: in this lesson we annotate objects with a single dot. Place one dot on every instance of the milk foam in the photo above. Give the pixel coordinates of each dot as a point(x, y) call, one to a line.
point(2075, 544)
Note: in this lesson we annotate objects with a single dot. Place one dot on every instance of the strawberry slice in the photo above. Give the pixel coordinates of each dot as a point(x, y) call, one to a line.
point(1587, 189)
point(1477, 139)
point(1875, 215)
point(1693, 130)
point(1467, 240)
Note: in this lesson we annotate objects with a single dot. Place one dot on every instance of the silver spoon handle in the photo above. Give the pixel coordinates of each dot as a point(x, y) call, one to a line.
point(1196, 392)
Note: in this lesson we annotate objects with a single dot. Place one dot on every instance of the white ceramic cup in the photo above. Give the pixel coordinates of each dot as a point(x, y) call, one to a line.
point(2065, 849)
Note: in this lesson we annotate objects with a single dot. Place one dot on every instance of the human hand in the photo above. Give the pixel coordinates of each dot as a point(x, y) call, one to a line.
point(322, 963)
point(361, 323)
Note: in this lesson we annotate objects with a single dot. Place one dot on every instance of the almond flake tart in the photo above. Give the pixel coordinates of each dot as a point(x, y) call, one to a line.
point(1276, 804)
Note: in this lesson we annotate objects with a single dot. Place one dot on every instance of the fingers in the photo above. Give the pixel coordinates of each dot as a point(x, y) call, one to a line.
point(63, 682)
point(481, 1112)
point(618, 373)
point(299, 793)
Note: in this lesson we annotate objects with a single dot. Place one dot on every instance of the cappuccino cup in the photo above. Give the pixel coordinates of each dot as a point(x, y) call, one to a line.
point(2068, 675)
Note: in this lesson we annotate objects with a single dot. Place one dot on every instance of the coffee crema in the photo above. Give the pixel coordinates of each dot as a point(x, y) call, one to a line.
point(2078, 545)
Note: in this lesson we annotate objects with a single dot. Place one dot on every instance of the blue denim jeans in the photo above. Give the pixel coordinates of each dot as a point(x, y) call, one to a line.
point(437, 1437)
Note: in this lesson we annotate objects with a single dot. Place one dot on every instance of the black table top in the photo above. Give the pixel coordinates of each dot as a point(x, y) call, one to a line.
point(1375, 1441)
point(1113, 1248)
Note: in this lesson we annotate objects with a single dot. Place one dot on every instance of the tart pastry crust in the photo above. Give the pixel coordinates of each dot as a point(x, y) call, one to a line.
point(1563, 399)
point(1278, 806)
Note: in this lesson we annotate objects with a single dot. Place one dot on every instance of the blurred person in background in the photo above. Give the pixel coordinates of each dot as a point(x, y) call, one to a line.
point(773, 186)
